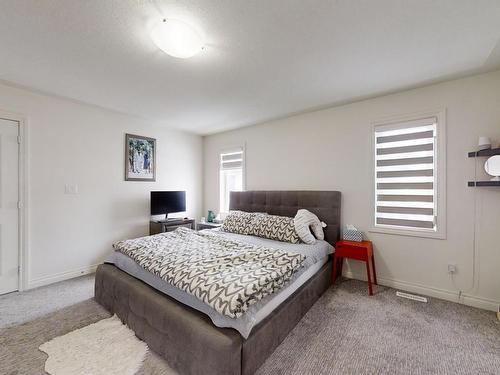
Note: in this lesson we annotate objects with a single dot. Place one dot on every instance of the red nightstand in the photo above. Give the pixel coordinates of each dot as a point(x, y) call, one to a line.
point(355, 250)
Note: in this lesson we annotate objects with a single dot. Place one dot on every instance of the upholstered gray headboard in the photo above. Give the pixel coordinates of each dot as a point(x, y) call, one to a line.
point(325, 204)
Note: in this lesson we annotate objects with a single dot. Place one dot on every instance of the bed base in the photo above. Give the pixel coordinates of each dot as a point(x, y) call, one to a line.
point(187, 338)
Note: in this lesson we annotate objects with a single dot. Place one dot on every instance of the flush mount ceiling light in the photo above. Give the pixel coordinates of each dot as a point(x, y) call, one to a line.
point(177, 38)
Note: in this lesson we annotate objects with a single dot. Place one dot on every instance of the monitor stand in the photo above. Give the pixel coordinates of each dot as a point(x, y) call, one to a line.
point(167, 219)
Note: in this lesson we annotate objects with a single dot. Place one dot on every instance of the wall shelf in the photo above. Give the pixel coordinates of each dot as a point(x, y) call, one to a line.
point(487, 152)
point(483, 183)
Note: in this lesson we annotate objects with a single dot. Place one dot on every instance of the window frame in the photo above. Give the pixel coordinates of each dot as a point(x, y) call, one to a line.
point(439, 172)
point(224, 151)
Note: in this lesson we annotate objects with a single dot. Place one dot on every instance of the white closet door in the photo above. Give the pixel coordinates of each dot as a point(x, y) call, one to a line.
point(9, 213)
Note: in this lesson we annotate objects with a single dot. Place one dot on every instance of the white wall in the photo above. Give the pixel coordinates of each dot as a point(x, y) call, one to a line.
point(73, 143)
point(331, 149)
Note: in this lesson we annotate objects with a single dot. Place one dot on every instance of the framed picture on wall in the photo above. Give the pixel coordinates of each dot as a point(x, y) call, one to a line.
point(140, 158)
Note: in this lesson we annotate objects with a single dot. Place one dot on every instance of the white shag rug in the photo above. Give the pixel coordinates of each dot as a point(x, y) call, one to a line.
point(107, 347)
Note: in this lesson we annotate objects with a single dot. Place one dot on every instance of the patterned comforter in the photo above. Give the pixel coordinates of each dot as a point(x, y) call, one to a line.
point(228, 275)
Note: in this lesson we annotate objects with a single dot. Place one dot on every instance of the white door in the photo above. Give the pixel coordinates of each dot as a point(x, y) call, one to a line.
point(9, 212)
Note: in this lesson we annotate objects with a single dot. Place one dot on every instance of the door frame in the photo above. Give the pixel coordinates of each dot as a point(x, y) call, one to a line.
point(23, 209)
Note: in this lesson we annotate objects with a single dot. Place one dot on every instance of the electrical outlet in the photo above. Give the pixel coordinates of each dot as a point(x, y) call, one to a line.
point(452, 268)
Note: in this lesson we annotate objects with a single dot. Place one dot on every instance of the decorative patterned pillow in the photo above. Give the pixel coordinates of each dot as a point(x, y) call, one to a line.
point(239, 222)
point(304, 221)
point(279, 228)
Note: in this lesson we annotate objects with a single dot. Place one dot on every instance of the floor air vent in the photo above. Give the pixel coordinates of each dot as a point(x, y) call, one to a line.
point(411, 296)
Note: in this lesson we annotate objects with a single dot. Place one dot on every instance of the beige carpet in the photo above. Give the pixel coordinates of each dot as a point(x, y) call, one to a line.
point(20, 307)
point(346, 332)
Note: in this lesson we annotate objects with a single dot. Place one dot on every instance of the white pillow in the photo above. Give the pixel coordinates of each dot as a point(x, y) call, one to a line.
point(304, 221)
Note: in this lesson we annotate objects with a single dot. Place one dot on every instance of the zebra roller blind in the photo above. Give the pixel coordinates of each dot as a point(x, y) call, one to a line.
point(405, 175)
point(231, 160)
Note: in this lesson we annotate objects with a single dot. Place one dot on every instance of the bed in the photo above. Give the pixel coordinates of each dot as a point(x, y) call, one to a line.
point(187, 338)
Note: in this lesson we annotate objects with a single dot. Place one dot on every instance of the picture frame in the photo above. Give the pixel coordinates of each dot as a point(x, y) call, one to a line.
point(140, 158)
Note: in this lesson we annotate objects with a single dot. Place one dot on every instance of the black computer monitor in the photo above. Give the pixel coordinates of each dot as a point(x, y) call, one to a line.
point(166, 202)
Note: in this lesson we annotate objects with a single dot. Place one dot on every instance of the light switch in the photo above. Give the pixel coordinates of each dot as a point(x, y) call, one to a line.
point(71, 189)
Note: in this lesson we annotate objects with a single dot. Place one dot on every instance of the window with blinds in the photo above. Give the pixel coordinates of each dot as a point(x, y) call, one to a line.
point(405, 175)
point(230, 176)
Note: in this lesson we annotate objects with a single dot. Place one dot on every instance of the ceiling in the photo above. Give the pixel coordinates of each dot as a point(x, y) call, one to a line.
point(264, 59)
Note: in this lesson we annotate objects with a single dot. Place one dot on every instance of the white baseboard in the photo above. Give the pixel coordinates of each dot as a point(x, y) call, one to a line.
point(447, 295)
point(50, 279)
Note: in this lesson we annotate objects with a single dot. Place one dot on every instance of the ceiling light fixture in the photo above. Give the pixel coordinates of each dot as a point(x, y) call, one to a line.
point(177, 38)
